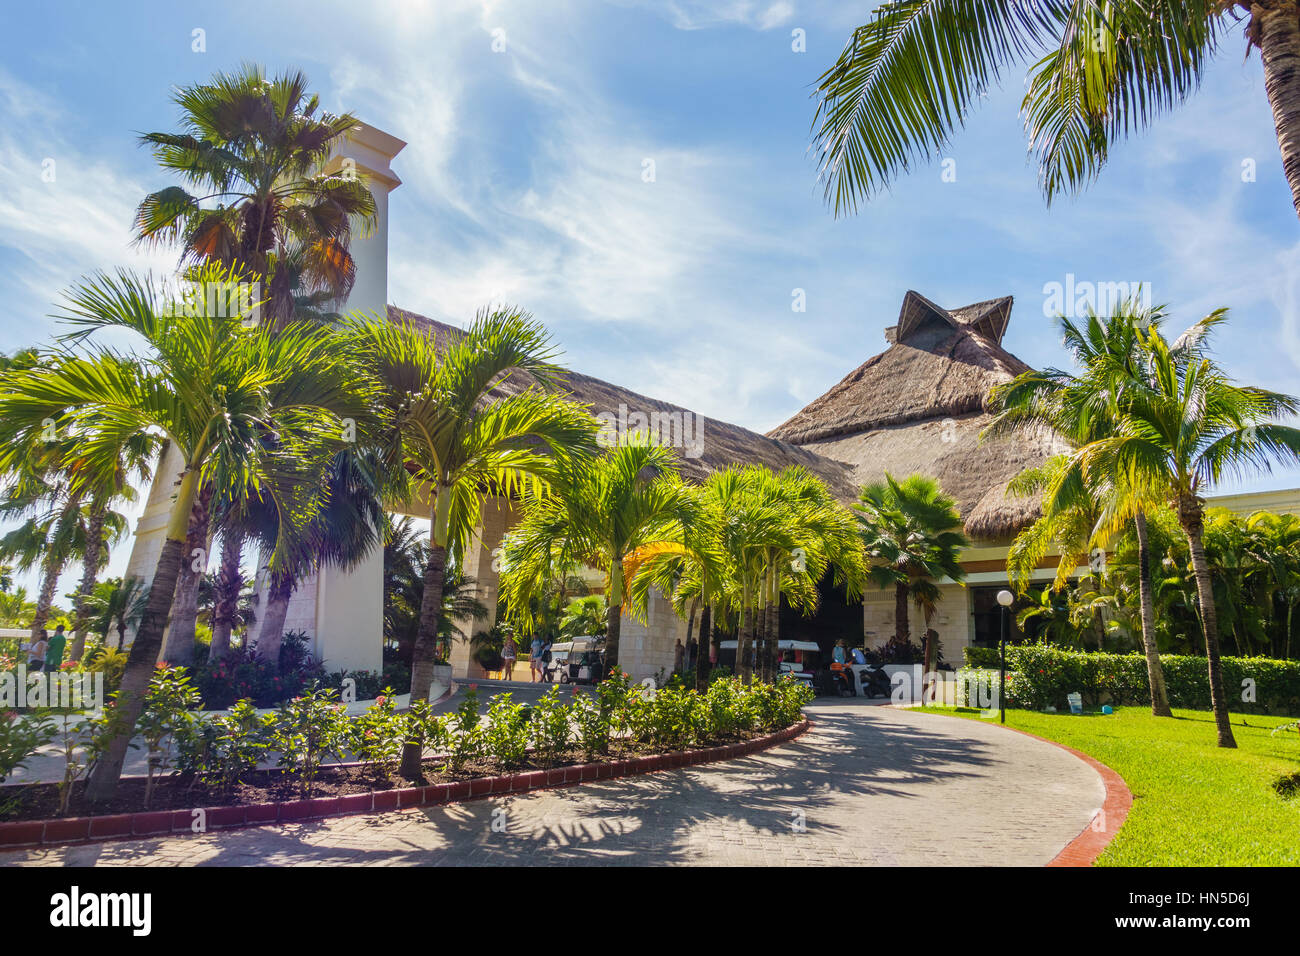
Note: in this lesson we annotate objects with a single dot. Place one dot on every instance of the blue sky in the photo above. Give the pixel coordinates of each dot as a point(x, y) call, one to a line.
point(523, 183)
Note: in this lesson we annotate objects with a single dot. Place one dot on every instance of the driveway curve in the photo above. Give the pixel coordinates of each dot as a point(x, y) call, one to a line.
point(868, 785)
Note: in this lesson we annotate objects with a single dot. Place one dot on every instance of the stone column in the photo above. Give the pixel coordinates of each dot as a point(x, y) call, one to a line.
point(481, 564)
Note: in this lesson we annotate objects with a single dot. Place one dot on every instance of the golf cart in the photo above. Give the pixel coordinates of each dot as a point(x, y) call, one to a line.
point(798, 658)
point(579, 661)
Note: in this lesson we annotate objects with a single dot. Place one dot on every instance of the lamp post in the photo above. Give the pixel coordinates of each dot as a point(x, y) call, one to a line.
point(1005, 598)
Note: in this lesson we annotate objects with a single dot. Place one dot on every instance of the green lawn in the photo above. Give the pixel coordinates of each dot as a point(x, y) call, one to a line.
point(1193, 804)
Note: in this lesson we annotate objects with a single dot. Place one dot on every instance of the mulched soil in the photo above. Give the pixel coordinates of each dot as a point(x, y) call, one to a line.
point(177, 792)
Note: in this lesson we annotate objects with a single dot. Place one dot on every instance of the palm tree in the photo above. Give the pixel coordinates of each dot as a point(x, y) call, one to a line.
point(911, 531)
point(1098, 71)
point(227, 397)
point(15, 608)
point(117, 604)
point(586, 616)
point(1184, 426)
point(1080, 514)
point(696, 569)
point(447, 428)
point(106, 487)
point(598, 514)
point(253, 147)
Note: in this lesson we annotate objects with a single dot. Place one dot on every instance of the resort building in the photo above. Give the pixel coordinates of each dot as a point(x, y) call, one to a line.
point(917, 406)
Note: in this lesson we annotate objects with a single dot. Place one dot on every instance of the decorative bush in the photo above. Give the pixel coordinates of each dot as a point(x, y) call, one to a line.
point(551, 727)
point(505, 739)
point(306, 729)
point(980, 656)
point(242, 675)
point(1044, 675)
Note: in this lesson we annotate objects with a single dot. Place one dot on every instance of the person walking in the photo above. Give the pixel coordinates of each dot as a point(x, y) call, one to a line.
point(535, 663)
point(36, 651)
point(508, 655)
point(54, 649)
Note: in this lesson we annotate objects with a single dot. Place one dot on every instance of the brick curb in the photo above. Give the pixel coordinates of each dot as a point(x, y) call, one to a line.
point(1084, 849)
point(27, 833)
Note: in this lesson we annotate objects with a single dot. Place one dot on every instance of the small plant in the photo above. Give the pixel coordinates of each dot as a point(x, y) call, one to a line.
point(505, 738)
point(551, 726)
point(21, 735)
point(376, 736)
point(166, 718)
point(228, 748)
point(306, 729)
point(465, 731)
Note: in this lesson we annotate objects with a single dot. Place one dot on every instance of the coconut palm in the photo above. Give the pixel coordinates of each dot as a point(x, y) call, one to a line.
point(1185, 425)
point(228, 398)
point(1079, 515)
point(599, 512)
point(251, 148)
point(450, 431)
point(16, 608)
point(1098, 71)
point(911, 531)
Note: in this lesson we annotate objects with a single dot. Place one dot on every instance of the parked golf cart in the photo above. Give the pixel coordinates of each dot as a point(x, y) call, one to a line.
point(799, 659)
point(579, 661)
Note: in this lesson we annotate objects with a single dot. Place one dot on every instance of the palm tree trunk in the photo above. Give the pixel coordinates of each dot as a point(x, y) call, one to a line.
point(424, 653)
point(613, 631)
point(1190, 515)
point(229, 583)
point(143, 656)
point(902, 628)
point(1279, 46)
point(702, 665)
point(179, 649)
point(89, 571)
point(51, 568)
point(744, 644)
point(271, 634)
point(690, 627)
point(1155, 672)
point(772, 656)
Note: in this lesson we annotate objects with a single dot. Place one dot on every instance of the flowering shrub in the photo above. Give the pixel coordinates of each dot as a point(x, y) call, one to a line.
point(307, 728)
point(241, 675)
point(165, 719)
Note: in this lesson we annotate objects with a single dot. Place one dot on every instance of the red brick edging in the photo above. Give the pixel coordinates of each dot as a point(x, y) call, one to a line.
point(1084, 849)
point(157, 823)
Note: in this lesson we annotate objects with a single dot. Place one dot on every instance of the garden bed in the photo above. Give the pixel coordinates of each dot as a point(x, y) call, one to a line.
point(181, 804)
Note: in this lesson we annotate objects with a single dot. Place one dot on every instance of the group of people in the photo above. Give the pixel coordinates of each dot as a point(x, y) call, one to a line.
point(538, 656)
point(46, 653)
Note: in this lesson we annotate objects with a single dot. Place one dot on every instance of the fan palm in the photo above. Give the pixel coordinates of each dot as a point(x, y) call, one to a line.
point(1098, 70)
point(1185, 426)
point(910, 531)
point(227, 397)
point(252, 148)
point(447, 429)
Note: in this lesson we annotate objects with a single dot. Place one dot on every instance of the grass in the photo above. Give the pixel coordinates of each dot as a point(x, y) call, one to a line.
point(1193, 803)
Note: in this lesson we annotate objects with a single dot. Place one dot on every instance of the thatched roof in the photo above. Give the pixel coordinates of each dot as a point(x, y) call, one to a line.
point(720, 444)
point(919, 407)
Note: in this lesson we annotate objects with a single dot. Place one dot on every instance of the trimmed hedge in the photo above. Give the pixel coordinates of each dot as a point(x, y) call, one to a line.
point(980, 657)
point(1044, 675)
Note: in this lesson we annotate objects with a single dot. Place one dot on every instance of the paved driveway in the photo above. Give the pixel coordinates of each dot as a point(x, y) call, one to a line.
point(868, 785)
